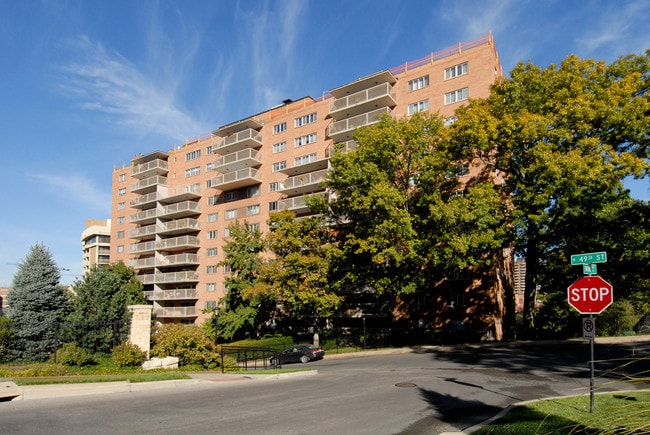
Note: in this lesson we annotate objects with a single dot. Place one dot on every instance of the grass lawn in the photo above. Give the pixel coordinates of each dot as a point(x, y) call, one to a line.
point(614, 413)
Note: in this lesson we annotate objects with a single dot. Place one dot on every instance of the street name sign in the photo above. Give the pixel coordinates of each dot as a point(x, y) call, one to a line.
point(589, 258)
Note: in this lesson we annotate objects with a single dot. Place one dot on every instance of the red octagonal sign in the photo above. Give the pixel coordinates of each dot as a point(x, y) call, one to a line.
point(590, 295)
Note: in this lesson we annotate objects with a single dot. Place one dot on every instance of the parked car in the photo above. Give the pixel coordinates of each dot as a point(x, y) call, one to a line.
point(298, 353)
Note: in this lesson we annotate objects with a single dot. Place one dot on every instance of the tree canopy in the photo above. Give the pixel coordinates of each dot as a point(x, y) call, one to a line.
point(37, 303)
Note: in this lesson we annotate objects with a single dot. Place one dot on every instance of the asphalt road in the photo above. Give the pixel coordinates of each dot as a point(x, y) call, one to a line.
point(424, 392)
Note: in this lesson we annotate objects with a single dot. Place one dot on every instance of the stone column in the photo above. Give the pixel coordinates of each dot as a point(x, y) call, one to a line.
point(141, 326)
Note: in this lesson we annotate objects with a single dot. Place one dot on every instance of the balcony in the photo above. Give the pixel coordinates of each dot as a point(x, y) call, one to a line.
point(247, 158)
point(181, 294)
point(311, 166)
point(363, 101)
point(364, 83)
point(148, 185)
point(143, 232)
point(298, 204)
point(142, 248)
point(342, 130)
point(236, 180)
point(305, 183)
point(180, 193)
point(145, 201)
point(181, 209)
point(178, 243)
point(343, 147)
point(179, 226)
point(172, 277)
point(241, 140)
point(177, 260)
point(174, 312)
point(144, 217)
point(142, 263)
point(150, 169)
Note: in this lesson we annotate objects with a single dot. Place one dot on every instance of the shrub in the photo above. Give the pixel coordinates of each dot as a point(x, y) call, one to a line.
point(72, 355)
point(187, 342)
point(128, 355)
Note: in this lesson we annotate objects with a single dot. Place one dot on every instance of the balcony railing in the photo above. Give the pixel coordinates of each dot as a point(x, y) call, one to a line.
point(178, 243)
point(154, 167)
point(142, 232)
point(177, 260)
point(142, 263)
point(180, 193)
point(143, 200)
point(304, 183)
point(172, 277)
point(179, 226)
point(179, 209)
point(148, 184)
point(174, 295)
point(236, 161)
point(363, 101)
point(238, 179)
point(248, 138)
point(142, 248)
point(144, 216)
point(342, 147)
point(342, 130)
point(175, 312)
point(298, 204)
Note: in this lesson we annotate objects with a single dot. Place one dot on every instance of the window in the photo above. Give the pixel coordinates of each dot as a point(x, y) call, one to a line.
point(304, 140)
point(209, 166)
point(122, 191)
point(120, 234)
point(253, 228)
point(226, 269)
point(455, 71)
point(459, 95)
point(274, 187)
point(458, 171)
point(121, 206)
point(252, 210)
point(209, 149)
point(303, 160)
point(210, 287)
point(213, 200)
point(279, 166)
point(210, 270)
point(419, 83)
point(122, 177)
point(252, 191)
point(192, 171)
point(208, 184)
point(279, 147)
point(307, 119)
point(212, 234)
point(120, 248)
point(196, 188)
point(193, 155)
point(121, 220)
point(232, 196)
point(273, 206)
point(213, 217)
point(211, 252)
point(231, 214)
point(226, 232)
point(279, 128)
point(420, 106)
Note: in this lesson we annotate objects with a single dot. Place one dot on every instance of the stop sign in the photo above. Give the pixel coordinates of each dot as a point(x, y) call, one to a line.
point(590, 295)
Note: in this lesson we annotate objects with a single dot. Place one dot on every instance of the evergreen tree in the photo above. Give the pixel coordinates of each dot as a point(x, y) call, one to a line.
point(99, 318)
point(37, 304)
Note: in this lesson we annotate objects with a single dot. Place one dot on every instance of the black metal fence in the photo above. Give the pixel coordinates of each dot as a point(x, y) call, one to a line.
point(95, 337)
point(246, 358)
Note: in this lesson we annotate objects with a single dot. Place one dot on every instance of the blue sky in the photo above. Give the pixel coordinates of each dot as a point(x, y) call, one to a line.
point(85, 84)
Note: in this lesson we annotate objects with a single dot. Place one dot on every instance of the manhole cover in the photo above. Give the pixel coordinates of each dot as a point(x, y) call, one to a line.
point(405, 385)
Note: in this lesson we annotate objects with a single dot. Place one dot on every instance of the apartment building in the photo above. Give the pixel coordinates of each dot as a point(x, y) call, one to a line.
point(171, 209)
point(96, 243)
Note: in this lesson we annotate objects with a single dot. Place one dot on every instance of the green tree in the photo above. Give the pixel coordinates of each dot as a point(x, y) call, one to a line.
point(99, 318)
point(297, 276)
point(563, 138)
point(37, 303)
point(404, 219)
point(237, 317)
point(6, 335)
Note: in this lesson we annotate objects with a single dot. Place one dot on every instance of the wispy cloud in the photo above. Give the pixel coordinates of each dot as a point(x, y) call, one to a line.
point(104, 81)
point(75, 187)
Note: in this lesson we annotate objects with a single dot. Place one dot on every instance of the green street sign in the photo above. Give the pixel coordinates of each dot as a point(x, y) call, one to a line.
point(593, 257)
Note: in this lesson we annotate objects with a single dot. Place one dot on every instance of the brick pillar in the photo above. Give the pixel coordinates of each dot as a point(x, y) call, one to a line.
point(141, 326)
